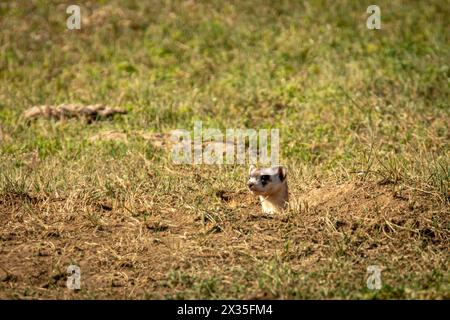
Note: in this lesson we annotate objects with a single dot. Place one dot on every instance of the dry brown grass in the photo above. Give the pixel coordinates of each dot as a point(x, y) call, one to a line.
point(136, 248)
point(364, 123)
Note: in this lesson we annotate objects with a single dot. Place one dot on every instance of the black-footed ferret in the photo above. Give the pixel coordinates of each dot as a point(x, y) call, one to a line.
point(270, 184)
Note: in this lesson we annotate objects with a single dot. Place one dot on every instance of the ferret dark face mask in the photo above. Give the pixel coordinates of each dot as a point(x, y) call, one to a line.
point(266, 181)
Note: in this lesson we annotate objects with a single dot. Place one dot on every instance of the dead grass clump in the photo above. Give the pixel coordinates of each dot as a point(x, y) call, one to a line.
point(64, 111)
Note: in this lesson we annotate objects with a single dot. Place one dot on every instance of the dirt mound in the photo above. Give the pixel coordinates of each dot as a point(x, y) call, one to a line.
point(385, 208)
point(89, 112)
point(158, 140)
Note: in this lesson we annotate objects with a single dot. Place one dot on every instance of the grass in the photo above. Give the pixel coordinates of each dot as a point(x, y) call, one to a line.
point(364, 128)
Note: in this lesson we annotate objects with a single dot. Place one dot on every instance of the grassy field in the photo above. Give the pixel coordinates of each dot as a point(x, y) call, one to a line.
point(364, 121)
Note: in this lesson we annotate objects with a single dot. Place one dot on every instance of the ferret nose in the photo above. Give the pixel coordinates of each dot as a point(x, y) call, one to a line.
point(250, 184)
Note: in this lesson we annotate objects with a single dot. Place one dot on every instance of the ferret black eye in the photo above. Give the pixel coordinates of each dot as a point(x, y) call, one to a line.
point(265, 178)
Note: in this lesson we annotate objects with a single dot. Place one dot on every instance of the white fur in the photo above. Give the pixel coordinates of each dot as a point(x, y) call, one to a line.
point(274, 194)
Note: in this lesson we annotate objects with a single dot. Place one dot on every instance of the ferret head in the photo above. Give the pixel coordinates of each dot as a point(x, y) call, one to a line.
point(266, 181)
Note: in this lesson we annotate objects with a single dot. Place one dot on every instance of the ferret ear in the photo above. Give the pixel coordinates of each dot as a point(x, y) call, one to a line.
point(251, 169)
point(282, 173)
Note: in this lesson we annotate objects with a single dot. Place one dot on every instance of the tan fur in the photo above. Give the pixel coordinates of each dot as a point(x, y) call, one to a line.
point(277, 201)
point(273, 195)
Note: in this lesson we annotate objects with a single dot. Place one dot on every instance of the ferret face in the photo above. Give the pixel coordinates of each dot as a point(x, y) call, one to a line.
point(267, 181)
